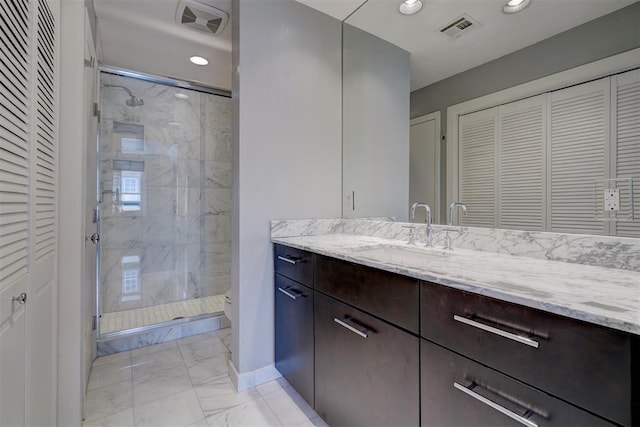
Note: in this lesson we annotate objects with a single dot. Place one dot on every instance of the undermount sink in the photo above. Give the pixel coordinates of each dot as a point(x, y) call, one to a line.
point(397, 254)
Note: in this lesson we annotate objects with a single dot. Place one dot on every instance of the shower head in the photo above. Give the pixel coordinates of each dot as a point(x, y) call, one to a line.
point(133, 100)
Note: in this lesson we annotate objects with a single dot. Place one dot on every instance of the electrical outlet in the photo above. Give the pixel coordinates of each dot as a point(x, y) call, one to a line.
point(611, 199)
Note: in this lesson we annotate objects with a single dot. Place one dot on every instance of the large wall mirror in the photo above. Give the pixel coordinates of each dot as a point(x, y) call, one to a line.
point(532, 119)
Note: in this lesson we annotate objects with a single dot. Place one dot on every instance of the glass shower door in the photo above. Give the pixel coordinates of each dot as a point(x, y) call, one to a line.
point(164, 203)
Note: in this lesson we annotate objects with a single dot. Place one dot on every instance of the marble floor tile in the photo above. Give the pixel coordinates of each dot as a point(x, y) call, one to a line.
point(289, 407)
point(225, 336)
point(250, 414)
point(118, 370)
point(210, 371)
point(108, 400)
point(218, 398)
point(196, 338)
point(119, 419)
point(178, 410)
point(160, 384)
point(147, 364)
point(186, 383)
point(201, 423)
point(153, 348)
point(197, 351)
point(124, 355)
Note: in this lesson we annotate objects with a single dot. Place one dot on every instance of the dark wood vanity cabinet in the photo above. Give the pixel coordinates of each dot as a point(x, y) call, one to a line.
point(589, 366)
point(367, 371)
point(373, 348)
point(294, 333)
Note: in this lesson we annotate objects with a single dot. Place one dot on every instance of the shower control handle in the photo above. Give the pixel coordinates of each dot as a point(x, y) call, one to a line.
point(20, 299)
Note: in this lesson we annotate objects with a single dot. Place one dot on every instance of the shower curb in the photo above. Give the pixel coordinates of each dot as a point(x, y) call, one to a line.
point(170, 331)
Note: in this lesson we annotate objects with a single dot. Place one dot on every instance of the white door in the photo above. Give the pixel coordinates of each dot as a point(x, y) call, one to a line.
point(12, 356)
point(424, 165)
point(28, 212)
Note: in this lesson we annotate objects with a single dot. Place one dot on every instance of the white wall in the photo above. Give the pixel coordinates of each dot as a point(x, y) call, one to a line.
point(71, 217)
point(287, 149)
point(376, 127)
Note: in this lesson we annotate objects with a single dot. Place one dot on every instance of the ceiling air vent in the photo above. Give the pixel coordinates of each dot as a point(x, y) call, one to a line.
point(459, 26)
point(201, 17)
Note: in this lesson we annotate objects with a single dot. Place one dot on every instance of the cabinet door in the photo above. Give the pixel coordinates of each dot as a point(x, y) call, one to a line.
point(294, 335)
point(367, 371)
point(456, 391)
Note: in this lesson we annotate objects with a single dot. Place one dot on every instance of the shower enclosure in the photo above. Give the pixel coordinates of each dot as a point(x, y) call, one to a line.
point(164, 203)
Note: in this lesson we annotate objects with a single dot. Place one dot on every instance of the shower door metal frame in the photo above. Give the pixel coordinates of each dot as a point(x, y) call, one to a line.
point(152, 79)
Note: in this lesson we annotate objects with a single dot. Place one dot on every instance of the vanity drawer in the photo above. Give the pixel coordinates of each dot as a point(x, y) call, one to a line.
point(456, 391)
point(367, 371)
point(389, 296)
point(587, 365)
point(294, 263)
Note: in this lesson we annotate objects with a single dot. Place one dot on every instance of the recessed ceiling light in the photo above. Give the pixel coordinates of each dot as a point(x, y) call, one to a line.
point(409, 7)
point(515, 6)
point(181, 96)
point(199, 60)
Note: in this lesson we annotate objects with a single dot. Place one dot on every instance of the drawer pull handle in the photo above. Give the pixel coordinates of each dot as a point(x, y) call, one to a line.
point(351, 328)
point(293, 261)
point(514, 337)
point(287, 293)
point(494, 405)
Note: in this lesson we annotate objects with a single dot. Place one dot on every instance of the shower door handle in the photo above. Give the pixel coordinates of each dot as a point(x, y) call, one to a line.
point(95, 238)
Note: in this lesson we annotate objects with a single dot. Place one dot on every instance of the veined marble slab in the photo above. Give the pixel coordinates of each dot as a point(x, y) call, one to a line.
point(602, 251)
point(603, 296)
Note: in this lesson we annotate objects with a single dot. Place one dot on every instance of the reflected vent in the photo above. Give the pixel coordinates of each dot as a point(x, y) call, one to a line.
point(459, 26)
point(201, 17)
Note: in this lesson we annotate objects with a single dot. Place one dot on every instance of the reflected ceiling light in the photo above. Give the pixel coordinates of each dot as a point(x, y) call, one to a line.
point(199, 60)
point(515, 6)
point(181, 96)
point(409, 7)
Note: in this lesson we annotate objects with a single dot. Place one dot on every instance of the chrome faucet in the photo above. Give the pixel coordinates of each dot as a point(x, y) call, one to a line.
point(428, 238)
point(452, 206)
point(456, 205)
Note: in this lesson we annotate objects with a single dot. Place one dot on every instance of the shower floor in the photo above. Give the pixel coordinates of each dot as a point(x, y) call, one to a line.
point(139, 317)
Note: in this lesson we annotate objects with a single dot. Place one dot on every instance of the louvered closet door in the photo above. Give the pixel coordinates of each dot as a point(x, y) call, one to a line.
point(579, 145)
point(41, 333)
point(28, 211)
point(522, 164)
point(477, 167)
point(15, 152)
point(626, 128)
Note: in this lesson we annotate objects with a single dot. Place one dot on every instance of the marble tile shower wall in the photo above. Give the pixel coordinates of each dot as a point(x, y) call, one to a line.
point(165, 183)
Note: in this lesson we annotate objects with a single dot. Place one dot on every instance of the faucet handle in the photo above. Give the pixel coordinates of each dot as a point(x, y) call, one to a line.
point(412, 234)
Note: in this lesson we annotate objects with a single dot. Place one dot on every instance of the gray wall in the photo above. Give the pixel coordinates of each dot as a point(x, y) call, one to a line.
point(286, 149)
point(603, 37)
point(376, 83)
point(609, 35)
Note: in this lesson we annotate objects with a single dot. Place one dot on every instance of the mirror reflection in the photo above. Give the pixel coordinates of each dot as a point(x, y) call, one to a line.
point(531, 119)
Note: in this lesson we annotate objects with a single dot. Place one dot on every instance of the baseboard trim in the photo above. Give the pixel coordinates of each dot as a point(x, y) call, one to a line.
point(253, 378)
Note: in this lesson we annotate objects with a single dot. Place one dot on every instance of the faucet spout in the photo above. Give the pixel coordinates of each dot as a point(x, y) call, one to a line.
point(454, 205)
point(429, 235)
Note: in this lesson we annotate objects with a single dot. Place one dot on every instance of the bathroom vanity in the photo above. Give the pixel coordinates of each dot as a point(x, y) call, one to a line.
point(373, 333)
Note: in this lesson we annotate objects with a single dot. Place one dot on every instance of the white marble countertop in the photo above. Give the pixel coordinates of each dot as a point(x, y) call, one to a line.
point(603, 296)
